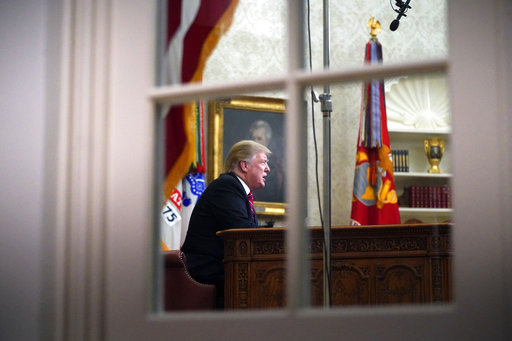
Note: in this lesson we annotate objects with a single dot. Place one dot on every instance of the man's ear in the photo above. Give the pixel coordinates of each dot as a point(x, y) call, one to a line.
point(243, 166)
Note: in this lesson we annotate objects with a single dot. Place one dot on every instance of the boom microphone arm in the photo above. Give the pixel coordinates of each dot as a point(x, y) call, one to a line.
point(403, 7)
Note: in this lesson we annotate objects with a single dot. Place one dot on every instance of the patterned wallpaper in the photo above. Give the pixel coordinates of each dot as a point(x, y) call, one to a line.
point(255, 47)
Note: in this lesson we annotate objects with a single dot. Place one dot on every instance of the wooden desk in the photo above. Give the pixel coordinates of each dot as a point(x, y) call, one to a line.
point(384, 264)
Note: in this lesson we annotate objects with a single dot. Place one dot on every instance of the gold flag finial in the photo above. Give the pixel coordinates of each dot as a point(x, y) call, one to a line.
point(374, 26)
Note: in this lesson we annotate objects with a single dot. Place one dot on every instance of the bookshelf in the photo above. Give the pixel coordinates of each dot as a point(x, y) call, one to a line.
point(431, 209)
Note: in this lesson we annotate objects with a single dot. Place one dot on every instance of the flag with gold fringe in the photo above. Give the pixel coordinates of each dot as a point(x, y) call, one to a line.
point(374, 199)
point(193, 31)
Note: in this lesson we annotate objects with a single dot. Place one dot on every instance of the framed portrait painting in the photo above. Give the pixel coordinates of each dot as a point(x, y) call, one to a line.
point(250, 118)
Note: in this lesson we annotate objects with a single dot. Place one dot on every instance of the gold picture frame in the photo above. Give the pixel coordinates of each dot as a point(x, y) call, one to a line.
point(241, 118)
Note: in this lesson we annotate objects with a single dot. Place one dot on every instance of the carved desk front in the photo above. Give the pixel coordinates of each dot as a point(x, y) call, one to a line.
point(386, 264)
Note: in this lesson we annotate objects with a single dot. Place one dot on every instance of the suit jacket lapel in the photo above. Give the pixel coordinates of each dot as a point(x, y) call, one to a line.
point(247, 203)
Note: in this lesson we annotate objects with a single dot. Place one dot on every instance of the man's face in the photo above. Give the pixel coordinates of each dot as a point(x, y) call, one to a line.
point(259, 135)
point(256, 170)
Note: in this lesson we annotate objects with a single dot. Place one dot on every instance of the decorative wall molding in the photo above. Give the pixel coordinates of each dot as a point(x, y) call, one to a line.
point(420, 102)
point(81, 173)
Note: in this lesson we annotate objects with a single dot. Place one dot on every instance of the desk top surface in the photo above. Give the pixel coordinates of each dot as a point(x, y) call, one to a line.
point(342, 229)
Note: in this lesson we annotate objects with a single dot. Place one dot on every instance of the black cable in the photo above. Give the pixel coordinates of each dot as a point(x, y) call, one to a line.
point(391, 3)
point(313, 120)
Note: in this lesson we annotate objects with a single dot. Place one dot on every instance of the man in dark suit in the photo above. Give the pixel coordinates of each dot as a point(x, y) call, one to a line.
point(226, 203)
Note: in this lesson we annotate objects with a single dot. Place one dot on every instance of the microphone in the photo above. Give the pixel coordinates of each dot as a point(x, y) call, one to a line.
point(401, 13)
point(394, 25)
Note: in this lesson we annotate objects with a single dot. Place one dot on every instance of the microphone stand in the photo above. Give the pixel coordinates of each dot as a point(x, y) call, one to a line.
point(404, 6)
point(326, 107)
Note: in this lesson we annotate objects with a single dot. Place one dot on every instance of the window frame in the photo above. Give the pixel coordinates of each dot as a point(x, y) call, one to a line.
point(122, 299)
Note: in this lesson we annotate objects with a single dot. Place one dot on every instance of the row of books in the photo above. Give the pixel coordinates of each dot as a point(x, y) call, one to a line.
point(426, 197)
point(400, 160)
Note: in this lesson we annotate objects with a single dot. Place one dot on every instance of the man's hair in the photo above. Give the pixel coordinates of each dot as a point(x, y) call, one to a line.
point(244, 150)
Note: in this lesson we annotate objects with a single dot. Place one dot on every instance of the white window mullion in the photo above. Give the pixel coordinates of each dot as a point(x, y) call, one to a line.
point(193, 91)
point(298, 269)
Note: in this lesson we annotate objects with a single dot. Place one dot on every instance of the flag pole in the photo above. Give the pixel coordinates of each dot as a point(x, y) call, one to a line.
point(326, 107)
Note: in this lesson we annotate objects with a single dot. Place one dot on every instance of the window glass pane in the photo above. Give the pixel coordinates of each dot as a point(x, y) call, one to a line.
point(421, 34)
point(417, 108)
point(202, 197)
point(244, 39)
point(218, 41)
point(405, 185)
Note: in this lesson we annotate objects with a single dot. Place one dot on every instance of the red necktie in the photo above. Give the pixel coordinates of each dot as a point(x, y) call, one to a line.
point(251, 201)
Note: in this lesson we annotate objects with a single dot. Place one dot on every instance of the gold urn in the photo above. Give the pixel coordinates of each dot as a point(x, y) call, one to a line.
point(434, 149)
